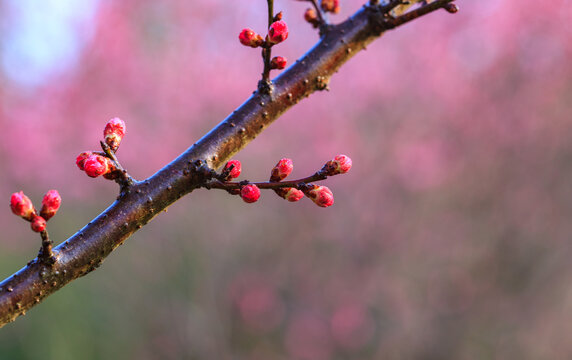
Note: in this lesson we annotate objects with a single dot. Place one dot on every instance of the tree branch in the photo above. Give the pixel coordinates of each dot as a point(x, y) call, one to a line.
point(142, 201)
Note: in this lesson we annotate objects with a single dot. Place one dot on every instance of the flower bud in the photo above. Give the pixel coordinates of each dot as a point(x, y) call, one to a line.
point(341, 164)
point(50, 204)
point(451, 8)
point(332, 6)
point(38, 224)
point(277, 32)
point(312, 17)
point(80, 160)
point(248, 37)
point(278, 62)
point(320, 195)
point(277, 17)
point(282, 169)
point(114, 132)
point(97, 165)
point(235, 171)
point(21, 205)
point(250, 193)
point(290, 194)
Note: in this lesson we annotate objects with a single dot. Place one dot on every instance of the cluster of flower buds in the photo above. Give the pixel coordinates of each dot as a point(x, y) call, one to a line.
point(277, 33)
point(279, 172)
point(291, 190)
point(22, 206)
point(98, 163)
point(95, 164)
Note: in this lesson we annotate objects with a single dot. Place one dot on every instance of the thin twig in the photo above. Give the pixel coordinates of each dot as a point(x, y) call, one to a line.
point(46, 256)
point(123, 178)
point(265, 84)
point(299, 183)
point(416, 13)
point(318, 12)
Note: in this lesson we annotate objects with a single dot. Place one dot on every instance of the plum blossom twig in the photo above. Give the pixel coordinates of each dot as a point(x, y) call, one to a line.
point(84, 251)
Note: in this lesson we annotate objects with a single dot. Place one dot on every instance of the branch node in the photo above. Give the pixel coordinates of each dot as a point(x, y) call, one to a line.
point(266, 87)
point(46, 255)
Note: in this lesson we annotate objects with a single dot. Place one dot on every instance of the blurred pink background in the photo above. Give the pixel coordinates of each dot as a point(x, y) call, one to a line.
point(449, 239)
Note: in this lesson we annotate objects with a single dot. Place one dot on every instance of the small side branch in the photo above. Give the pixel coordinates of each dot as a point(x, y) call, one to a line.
point(298, 184)
point(120, 175)
point(46, 256)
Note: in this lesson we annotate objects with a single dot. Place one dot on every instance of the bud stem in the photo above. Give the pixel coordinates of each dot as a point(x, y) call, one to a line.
point(265, 85)
point(124, 180)
point(318, 12)
point(46, 254)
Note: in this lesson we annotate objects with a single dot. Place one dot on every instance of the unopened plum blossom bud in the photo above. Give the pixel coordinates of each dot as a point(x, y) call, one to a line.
point(21, 205)
point(81, 159)
point(282, 169)
point(278, 16)
point(38, 224)
point(97, 165)
point(312, 17)
point(278, 62)
point(320, 195)
point(451, 8)
point(114, 132)
point(248, 37)
point(332, 6)
point(250, 193)
point(50, 204)
point(235, 171)
point(341, 164)
point(290, 194)
point(277, 32)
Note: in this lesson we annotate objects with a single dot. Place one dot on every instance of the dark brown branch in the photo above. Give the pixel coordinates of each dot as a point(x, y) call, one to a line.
point(85, 250)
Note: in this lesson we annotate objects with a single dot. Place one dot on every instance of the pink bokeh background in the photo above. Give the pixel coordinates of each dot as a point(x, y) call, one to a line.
point(449, 239)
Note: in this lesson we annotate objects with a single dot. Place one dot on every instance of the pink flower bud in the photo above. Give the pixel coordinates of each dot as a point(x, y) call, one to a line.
point(451, 8)
point(114, 132)
point(21, 205)
point(282, 169)
point(332, 6)
point(293, 194)
point(97, 165)
point(38, 224)
point(312, 17)
point(278, 32)
point(250, 193)
point(341, 164)
point(320, 195)
point(50, 204)
point(278, 62)
point(248, 37)
point(236, 169)
point(80, 160)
